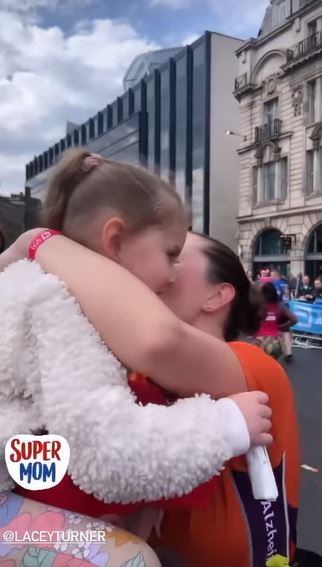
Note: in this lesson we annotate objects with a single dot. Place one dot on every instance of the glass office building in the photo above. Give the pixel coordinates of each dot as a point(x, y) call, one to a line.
point(163, 123)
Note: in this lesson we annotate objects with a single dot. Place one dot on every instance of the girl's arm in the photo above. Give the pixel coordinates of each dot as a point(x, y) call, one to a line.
point(137, 326)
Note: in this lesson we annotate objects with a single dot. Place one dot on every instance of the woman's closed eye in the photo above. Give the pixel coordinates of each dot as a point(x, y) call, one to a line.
point(173, 257)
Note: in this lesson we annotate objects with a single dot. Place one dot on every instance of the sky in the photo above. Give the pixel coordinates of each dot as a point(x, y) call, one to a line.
point(63, 60)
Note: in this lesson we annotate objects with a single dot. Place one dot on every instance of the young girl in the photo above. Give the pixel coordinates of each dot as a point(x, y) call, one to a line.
point(128, 215)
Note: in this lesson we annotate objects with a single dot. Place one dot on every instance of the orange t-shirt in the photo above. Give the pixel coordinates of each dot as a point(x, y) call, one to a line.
point(235, 530)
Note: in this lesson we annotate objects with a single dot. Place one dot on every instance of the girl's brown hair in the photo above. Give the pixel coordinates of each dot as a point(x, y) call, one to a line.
point(247, 308)
point(83, 184)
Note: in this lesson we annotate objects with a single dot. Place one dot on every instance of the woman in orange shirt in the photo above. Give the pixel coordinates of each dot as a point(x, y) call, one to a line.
point(213, 294)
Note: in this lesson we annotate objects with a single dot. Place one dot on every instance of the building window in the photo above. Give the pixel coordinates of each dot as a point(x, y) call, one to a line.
point(198, 136)
point(269, 243)
point(310, 172)
point(314, 253)
point(271, 115)
point(315, 241)
point(312, 28)
point(150, 90)
point(256, 197)
point(181, 124)
point(284, 178)
point(269, 181)
point(279, 13)
point(311, 95)
point(164, 122)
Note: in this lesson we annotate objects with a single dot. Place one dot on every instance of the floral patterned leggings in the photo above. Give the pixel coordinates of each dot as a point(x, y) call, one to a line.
point(20, 516)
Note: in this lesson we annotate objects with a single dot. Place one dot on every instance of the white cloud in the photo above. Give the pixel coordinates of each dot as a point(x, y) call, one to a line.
point(28, 7)
point(190, 38)
point(174, 4)
point(47, 78)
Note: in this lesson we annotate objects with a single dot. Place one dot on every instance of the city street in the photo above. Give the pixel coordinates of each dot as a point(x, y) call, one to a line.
point(306, 376)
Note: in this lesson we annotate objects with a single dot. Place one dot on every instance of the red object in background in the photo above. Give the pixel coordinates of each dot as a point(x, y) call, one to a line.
point(264, 279)
point(68, 496)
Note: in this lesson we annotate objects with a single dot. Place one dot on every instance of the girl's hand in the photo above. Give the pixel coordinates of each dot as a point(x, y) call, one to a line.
point(257, 414)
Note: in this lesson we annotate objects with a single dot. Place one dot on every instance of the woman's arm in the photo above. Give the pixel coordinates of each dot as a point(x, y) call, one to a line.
point(288, 319)
point(137, 326)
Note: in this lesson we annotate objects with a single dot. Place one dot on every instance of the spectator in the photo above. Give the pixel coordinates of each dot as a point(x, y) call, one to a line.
point(264, 276)
point(305, 291)
point(250, 276)
point(317, 291)
point(281, 285)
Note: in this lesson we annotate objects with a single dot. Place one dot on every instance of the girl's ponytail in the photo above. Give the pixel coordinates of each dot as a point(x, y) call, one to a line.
point(69, 173)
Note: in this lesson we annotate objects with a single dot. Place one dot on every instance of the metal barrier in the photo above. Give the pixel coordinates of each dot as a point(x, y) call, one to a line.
point(307, 333)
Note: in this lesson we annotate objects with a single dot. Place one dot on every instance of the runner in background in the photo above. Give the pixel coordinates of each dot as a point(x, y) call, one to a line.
point(278, 320)
point(283, 288)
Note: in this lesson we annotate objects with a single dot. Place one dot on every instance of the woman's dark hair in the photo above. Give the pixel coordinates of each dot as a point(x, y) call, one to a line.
point(247, 308)
point(269, 293)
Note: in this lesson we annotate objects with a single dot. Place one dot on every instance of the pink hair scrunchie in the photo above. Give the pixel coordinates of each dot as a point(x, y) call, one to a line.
point(92, 161)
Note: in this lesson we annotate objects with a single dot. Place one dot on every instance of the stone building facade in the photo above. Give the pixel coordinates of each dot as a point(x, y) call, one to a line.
point(279, 89)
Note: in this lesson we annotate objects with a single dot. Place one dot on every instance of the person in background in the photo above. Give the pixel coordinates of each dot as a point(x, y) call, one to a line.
point(278, 319)
point(293, 286)
point(305, 290)
point(264, 276)
point(250, 276)
point(280, 283)
point(317, 291)
point(283, 288)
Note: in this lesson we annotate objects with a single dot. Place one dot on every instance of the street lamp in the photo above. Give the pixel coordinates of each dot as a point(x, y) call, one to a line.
point(232, 133)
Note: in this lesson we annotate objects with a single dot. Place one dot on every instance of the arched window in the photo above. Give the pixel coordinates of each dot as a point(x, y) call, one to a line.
point(270, 252)
point(269, 243)
point(2, 242)
point(314, 253)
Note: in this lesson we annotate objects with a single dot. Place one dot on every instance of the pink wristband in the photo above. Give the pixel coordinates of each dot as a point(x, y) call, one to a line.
point(39, 240)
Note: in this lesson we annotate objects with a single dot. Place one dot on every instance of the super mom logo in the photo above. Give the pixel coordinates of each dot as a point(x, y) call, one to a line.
point(37, 462)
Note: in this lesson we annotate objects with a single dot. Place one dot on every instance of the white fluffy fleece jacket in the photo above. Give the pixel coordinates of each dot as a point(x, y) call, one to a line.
point(55, 372)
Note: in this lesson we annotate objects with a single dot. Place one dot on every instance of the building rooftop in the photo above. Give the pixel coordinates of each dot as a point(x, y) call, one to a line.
point(278, 12)
point(145, 63)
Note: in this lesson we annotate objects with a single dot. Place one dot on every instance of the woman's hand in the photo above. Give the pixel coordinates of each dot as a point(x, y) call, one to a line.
point(19, 249)
point(257, 414)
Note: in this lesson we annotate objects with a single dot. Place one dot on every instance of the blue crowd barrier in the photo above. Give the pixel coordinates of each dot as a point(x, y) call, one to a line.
point(309, 317)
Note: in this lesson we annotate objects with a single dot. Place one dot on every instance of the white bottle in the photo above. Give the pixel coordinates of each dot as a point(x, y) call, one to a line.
point(261, 474)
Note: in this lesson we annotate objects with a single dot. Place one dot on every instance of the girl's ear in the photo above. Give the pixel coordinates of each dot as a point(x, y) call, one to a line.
point(112, 233)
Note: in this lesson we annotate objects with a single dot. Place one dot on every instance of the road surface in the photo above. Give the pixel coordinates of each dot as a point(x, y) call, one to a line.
point(306, 376)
